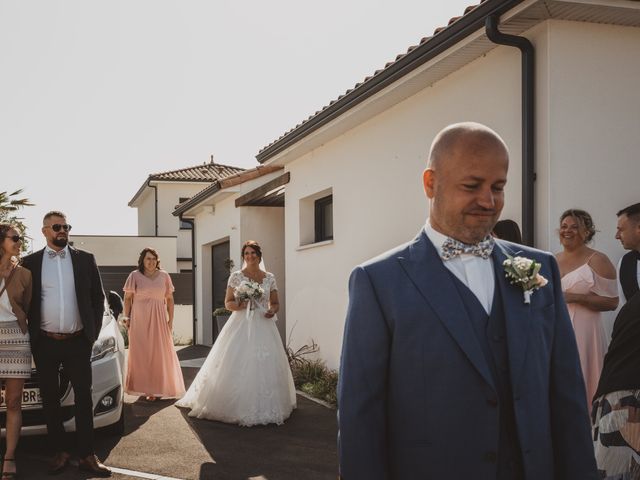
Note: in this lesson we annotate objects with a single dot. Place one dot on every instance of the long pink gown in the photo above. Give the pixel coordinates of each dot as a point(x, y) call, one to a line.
point(153, 367)
point(587, 324)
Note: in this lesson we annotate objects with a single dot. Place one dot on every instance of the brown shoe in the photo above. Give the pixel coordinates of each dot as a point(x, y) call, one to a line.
point(92, 465)
point(59, 463)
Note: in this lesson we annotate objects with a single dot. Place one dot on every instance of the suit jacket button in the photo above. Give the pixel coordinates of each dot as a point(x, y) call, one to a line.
point(491, 457)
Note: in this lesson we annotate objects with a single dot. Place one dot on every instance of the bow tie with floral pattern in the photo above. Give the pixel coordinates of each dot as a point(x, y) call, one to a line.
point(451, 248)
point(54, 254)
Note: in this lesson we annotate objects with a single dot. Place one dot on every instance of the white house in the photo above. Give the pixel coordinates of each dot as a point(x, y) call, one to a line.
point(355, 167)
point(156, 198)
point(246, 206)
point(161, 192)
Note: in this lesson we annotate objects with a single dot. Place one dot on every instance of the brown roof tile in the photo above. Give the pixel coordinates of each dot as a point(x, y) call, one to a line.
point(207, 172)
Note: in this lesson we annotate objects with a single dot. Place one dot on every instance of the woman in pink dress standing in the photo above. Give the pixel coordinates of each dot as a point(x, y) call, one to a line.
point(153, 370)
point(590, 287)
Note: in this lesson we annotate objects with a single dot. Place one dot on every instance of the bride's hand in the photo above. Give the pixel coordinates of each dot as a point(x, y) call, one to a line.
point(242, 305)
point(269, 313)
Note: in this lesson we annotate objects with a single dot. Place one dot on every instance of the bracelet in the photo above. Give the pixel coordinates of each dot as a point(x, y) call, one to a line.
point(124, 317)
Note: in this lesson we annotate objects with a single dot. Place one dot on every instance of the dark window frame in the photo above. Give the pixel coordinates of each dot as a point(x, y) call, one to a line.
point(320, 211)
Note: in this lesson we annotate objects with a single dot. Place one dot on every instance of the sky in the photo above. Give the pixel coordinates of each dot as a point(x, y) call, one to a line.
point(97, 95)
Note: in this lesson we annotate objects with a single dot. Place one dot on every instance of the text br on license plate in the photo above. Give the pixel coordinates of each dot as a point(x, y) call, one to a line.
point(30, 396)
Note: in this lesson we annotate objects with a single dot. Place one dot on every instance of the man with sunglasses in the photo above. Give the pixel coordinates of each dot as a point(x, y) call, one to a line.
point(64, 321)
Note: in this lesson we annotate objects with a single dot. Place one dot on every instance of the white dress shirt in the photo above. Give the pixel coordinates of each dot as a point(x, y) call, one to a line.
point(620, 291)
point(6, 310)
point(60, 313)
point(475, 272)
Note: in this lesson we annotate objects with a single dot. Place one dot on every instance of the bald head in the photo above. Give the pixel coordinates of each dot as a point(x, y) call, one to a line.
point(465, 181)
point(465, 135)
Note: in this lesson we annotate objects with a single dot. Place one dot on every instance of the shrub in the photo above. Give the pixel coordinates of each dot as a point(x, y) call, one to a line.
point(315, 379)
point(221, 311)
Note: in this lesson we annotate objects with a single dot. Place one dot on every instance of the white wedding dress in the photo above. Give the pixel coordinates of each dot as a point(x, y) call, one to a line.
point(246, 377)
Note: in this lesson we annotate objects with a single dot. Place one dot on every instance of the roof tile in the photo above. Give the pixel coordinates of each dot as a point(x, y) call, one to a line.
point(207, 172)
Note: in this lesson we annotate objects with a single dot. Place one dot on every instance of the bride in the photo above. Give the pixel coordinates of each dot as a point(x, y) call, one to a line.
point(246, 377)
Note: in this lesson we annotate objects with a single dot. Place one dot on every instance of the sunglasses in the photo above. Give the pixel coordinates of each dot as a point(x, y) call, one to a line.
point(56, 227)
point(16, 238)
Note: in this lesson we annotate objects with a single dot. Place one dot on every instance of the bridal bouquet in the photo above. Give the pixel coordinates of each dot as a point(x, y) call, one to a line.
point(248, 290)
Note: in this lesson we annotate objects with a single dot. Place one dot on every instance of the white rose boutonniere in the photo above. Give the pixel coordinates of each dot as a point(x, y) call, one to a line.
point(524, 272)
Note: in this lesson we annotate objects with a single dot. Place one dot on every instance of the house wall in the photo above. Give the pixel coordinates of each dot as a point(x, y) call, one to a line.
point(586, 151)
point(117, 250)
point(146, 214)
point(169, 194)
point(213, 227)
point(593, 108)
point(374, 172)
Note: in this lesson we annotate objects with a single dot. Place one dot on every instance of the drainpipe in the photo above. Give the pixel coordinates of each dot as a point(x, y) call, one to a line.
point(193, 272)
point(528, 121)
point(155, 213)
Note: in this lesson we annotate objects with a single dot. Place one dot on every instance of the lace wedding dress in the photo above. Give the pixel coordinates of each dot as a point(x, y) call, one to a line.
point(246, 377)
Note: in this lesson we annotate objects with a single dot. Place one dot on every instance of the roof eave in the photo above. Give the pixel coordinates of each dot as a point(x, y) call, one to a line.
point(440, 42)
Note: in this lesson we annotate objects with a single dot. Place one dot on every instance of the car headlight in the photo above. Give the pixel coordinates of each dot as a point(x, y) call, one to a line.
point(102, 347)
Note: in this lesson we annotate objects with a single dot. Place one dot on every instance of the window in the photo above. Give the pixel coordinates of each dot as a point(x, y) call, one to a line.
point(184, 225)
point(323, 208)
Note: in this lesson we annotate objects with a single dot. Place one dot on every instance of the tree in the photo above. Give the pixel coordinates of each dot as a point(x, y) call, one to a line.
point(9, 206)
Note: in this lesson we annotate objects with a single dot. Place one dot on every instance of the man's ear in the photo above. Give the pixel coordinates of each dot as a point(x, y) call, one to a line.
point(428, 182)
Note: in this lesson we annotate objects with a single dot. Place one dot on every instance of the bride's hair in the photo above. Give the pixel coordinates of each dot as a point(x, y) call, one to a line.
point(253, 244)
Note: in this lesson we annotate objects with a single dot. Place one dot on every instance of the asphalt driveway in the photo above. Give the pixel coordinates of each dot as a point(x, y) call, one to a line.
point(162, 442)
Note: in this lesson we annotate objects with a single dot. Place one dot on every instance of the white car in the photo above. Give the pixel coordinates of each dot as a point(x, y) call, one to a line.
point(107, 365)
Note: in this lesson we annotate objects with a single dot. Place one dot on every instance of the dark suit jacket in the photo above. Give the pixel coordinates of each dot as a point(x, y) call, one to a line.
point(416, 395)
point(88, 292)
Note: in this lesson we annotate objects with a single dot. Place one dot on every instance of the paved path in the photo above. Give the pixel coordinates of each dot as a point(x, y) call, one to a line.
point(162, 442)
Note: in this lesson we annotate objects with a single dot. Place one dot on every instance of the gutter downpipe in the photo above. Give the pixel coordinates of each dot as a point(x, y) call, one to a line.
point(193, 272)
point(528, 121)
point(155, 208)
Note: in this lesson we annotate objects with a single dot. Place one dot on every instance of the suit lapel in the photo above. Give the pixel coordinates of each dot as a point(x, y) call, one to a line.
point(76, 269)
point(36, 274)
point(426, 270)
point(517, 316)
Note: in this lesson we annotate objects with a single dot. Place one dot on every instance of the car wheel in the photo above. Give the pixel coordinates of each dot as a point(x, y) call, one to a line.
point(115, 429)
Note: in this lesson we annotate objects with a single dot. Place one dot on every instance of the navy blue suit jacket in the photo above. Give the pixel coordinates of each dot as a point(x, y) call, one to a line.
point(416, 396)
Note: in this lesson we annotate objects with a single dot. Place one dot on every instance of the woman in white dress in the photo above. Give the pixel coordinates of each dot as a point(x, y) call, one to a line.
point(246, 377)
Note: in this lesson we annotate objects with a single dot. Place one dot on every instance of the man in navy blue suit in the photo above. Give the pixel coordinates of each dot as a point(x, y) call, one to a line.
point(448, 369)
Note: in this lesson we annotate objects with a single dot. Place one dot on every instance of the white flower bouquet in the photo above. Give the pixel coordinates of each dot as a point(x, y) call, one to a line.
point(525, 273)
point(248, 290)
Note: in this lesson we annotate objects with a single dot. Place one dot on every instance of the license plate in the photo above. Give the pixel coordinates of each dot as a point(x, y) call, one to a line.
point(30, 396)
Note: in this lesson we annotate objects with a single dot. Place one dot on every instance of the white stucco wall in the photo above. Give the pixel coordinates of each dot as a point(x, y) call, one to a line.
point(587, 119)
point(589, 158)
point(374, 172)
point(146, 213)
point(118, 250)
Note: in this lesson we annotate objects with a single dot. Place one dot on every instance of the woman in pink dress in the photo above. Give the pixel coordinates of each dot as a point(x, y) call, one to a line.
point(153, 369)
point(590, 287)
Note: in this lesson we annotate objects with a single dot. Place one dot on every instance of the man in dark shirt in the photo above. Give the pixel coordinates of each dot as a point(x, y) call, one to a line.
point(616, 408)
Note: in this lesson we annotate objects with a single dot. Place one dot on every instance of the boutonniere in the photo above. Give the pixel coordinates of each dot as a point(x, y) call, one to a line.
point(524, 272)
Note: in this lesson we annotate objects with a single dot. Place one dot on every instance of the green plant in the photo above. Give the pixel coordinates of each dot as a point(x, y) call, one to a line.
point(315, 379)
point(297, 357)
point(9, 206)
point(220, 312)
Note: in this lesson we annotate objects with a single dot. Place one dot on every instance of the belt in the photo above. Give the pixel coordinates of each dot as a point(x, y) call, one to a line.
point(61, 336)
